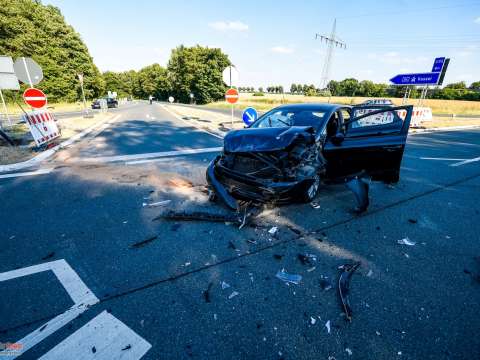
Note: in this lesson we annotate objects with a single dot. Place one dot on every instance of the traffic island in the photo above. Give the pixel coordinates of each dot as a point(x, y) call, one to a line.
point(25, 151)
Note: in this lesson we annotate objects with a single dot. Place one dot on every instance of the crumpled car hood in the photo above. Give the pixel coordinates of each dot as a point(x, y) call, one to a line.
point(265, 139)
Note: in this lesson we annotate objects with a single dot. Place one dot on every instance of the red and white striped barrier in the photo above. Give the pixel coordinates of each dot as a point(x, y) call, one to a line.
point(42, 125)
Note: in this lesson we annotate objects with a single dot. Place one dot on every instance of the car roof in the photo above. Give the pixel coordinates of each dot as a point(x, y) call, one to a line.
point(327, 107)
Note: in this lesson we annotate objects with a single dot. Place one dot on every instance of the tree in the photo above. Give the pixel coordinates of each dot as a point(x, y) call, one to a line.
point(293, 88)
point(197, 70)
point(260, 89)
point(29, 28)
point(475, 86)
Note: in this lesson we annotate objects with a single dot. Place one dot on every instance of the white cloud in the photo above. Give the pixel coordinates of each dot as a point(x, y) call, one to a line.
point(228, 25)
point(282, 50)
point(477, 20)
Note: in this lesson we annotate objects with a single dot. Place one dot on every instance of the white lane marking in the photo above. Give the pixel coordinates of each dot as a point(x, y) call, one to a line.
point(110, 337)
point(81, 295)
point(151, 155)
point(27, 173)
point(189, 123)
point(468, 161)
point(440, 158)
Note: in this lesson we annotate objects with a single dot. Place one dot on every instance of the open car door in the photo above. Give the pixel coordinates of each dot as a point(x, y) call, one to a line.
point(371, 141)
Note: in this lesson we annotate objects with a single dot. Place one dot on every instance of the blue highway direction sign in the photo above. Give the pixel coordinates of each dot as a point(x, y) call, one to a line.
point(249, 115)
point(416, 79)
point(438, 64)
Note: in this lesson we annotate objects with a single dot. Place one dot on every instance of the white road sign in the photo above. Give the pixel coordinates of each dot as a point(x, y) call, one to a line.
point(28, 71)
point(230, 76)
point(171, 99)
point(8, 79)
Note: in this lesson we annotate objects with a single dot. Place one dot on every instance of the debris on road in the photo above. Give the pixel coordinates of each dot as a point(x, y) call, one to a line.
point(344, 287)
point(325, 284)
point(349, 351)
point(370, 273)
point(315, 205)
point(327, 325)
point(199, 216)
point(143, 242)
point(180, 183)
point(406, 241)
point(288, 278)
point(158, 203)
point(233, 294)
point(312, 320)
point(277, 256)
point(412, 221)
point(273, 230)
point(307, 259)
point(94, 349)
point(225, 285)
point(49, 255)
point(206, 293)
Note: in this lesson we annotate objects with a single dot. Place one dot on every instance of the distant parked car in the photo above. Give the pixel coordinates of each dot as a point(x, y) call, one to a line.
point(111, 103)
point(384, 102)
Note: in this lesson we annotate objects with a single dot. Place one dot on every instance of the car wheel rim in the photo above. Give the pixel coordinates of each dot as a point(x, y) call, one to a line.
point(312, 190)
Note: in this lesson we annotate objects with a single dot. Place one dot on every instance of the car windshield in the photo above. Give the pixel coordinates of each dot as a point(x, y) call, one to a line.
point(289, 117)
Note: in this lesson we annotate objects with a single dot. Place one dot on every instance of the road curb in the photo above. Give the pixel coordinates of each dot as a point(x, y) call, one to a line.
point(48, 153)
point(443, 129)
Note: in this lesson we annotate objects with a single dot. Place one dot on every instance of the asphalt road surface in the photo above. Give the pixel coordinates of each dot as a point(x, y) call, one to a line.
point(87, 272)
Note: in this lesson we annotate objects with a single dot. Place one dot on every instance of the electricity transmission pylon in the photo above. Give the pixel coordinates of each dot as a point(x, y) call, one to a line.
point(332, 42)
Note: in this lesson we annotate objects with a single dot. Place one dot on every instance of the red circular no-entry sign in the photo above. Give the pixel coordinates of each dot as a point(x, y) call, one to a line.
point(231, 95)
point(35, 98)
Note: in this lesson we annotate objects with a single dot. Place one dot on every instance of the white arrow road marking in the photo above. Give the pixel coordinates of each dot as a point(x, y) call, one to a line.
point(81, 295)
point(111, 339)
point(467, 161)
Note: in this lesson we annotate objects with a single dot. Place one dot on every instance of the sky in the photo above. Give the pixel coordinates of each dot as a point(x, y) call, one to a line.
point(273, 42)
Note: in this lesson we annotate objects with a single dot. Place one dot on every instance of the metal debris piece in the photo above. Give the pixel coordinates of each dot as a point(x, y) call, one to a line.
point(288, 278)
point(406, 241)
point(344, 287)
point(199, 216)
point(233, 294)
point(225, 285)
point(311, 269)
point(312, 320)
point(143, 242)
point(206, 293)
point(158, 203)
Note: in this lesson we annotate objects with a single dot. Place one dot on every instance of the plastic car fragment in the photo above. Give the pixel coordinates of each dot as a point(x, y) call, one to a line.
point(359, 187)
point(344, 287)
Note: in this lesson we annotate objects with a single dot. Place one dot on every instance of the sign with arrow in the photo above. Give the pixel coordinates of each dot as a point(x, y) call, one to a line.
point(438, 64)
point(416, 79)
point(249, 115)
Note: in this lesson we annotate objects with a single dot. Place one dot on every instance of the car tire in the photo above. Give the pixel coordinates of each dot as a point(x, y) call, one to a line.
point(311, 191)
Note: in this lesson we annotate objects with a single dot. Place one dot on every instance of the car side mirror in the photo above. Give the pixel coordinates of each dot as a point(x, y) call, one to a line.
point(338, 138)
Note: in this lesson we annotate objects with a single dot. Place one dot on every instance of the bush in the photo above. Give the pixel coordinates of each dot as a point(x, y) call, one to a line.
point(258, 94)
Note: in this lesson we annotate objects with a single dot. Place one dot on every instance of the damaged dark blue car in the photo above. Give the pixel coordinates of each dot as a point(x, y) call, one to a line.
point(290, 151)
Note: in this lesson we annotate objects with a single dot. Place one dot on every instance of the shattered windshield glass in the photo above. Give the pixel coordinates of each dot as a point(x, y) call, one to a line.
point(290, 117)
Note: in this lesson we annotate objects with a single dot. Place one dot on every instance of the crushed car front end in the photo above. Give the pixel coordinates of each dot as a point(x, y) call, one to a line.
point(277, 165)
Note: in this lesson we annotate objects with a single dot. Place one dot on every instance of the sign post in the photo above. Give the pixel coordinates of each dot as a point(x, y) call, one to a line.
point(232, 97)
point(8, 81)
point(85, 109)
point(230, 77)
point(28, 71)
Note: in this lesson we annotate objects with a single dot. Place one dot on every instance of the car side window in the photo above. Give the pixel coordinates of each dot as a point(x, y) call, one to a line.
point(380, 119)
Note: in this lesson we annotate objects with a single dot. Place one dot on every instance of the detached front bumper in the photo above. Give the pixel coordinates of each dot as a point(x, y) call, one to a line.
point(230, 185)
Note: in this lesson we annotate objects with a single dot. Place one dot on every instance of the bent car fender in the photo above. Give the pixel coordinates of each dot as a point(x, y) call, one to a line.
point(218, 187)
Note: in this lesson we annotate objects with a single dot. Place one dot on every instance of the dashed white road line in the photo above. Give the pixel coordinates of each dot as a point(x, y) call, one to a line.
point(162, 154)
point(103, 338)
point(27, 173)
